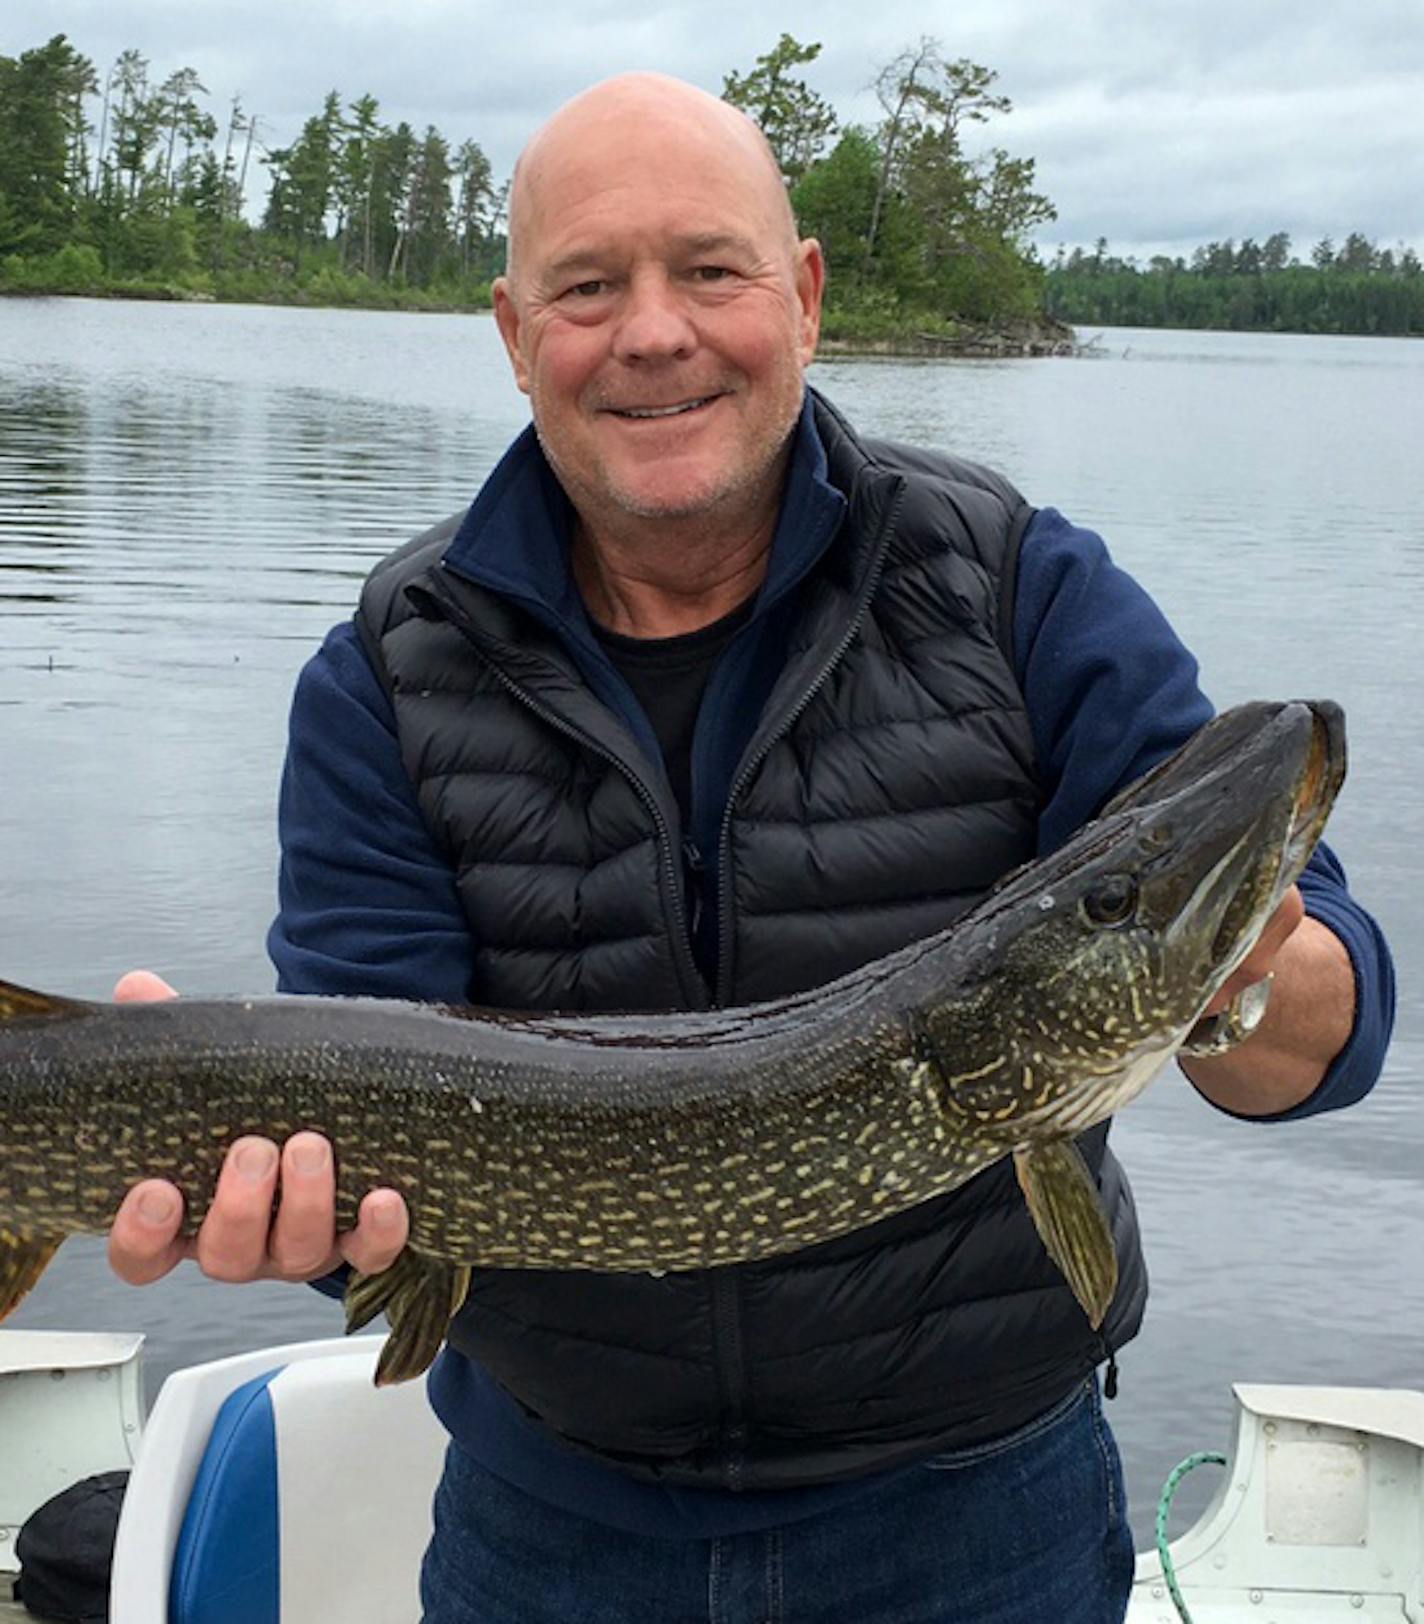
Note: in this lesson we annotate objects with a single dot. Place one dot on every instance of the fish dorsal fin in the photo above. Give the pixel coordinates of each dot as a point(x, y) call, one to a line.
point(1068, 1214)
point(22, 1004)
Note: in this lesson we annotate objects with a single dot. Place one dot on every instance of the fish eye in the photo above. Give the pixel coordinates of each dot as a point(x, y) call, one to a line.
point(1112, 901)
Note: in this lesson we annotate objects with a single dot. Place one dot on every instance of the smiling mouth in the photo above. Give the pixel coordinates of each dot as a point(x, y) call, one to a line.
point(641, 414)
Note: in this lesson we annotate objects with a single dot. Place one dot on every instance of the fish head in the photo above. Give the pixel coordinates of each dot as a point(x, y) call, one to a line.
point(1106, 954)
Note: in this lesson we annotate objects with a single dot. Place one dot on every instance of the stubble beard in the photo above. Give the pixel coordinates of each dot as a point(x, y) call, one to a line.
point(739, 491)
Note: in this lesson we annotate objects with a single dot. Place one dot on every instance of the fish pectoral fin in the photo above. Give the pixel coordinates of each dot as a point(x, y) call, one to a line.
point(23, 1259)
point(419, 1296)
point(1064, 1205)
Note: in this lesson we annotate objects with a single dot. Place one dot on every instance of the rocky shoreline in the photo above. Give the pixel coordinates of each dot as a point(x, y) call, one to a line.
point(1036, 339)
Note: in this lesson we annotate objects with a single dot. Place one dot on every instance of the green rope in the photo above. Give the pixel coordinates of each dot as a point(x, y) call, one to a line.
point(1164, 1506)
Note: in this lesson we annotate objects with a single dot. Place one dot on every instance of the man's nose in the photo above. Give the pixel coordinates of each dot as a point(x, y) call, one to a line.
point(654, 323)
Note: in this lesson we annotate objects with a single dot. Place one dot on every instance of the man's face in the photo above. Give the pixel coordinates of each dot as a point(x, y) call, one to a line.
point(660, 317)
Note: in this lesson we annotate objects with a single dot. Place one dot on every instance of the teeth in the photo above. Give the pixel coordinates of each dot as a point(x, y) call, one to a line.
point(663, 411)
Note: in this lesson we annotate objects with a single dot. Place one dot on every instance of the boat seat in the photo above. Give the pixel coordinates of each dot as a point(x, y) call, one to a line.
point(281, 1487)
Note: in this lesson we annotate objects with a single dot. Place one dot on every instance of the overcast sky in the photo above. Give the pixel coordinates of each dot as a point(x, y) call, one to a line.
point(1158, 126)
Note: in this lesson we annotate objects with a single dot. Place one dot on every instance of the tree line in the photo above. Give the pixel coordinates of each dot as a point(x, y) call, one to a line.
point(127, 181)
point(1356, 287)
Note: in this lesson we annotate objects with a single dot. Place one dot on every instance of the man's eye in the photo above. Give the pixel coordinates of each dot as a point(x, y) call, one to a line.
point(587, 290)
point(712, 273)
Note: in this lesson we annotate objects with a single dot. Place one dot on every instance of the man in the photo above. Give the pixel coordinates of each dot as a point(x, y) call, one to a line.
point(705, 700)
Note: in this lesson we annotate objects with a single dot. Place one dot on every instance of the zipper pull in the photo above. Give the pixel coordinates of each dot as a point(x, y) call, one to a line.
point(696, 871)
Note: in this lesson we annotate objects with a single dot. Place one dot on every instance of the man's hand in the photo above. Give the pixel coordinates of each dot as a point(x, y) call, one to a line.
point(240, 1239)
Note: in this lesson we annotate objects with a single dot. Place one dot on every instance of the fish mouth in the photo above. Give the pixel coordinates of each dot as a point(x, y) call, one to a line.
point(1298, 757)
point(1320, 783)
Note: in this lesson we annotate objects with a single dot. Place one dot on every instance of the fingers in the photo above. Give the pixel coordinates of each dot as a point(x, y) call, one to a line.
point(303, 1241)
point(241, 1239)
point(249, 1234)
point(142, 987)
point(232, 1243)
point(144, 1242)
point(382, 1228)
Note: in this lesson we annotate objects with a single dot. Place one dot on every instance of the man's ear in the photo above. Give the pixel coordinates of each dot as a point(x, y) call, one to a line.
point(506, 315)
point(810, 287)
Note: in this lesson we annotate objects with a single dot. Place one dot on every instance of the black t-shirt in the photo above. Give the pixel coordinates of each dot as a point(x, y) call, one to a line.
point(668, 676)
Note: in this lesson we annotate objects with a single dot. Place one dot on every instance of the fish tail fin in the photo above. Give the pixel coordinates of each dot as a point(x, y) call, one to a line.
point(1063, 1202)
point(22, 1003)
point(419, 1296)
point(23, 1259)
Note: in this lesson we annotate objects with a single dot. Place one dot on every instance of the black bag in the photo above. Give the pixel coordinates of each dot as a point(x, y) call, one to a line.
point(66, 1549)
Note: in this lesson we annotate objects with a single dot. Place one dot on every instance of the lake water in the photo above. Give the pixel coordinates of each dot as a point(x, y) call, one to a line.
point(190, 495)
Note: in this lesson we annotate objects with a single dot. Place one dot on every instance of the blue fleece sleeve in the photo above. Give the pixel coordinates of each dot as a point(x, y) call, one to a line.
point(367, 903)
point(1110, 690)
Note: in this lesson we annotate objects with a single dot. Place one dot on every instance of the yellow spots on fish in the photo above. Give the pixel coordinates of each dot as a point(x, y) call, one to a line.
point(996, 1064)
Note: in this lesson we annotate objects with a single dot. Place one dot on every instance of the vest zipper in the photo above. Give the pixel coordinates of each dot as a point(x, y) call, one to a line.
point(783, 726)
point(726, 1299)
point(731, 1373)
point(694, 988)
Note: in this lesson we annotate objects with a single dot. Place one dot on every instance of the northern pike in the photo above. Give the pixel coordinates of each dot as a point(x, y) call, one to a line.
point(686, 1141)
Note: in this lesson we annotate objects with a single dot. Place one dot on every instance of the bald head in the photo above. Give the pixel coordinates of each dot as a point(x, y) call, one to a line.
point(598, 129)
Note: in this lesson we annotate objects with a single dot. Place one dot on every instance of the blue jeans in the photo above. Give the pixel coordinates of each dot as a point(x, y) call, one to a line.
point(1027, 1529)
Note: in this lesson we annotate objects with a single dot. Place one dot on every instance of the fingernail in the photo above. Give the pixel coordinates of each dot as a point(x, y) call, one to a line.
point(156, 1207)
point(384, 1215)
point(309, 1157)
point(256, 1161)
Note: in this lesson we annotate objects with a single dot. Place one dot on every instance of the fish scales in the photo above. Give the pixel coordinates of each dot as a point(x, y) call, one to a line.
point(694, 1140)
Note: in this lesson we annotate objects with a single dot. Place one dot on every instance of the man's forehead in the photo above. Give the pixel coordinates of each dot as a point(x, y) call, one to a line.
point(598, 248)
point(610, 151)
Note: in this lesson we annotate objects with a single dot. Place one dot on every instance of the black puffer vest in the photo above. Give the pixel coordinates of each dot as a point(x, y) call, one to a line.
point(889, 782)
